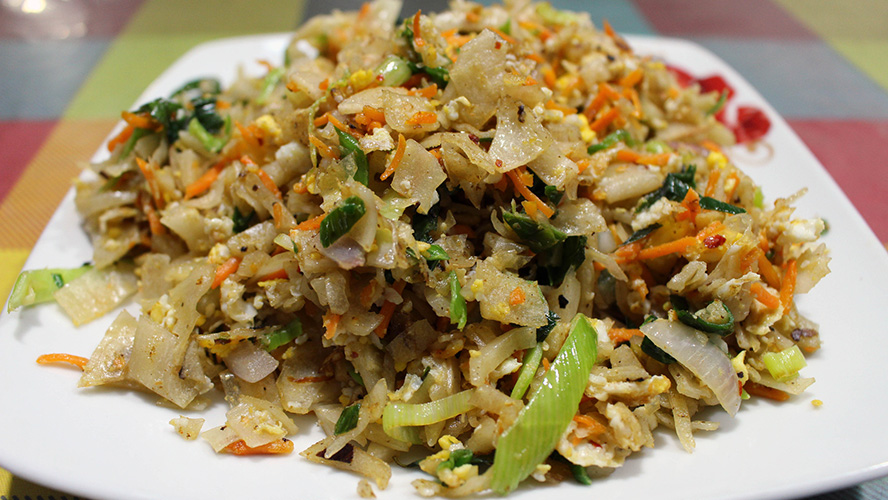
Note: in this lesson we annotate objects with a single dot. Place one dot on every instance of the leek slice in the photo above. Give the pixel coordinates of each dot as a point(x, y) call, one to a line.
point(398, 415)
point(785, 365)
point(541, 423)
point(38, 285)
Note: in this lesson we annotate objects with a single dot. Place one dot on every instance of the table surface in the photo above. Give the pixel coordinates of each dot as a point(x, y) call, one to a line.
point(70, 67)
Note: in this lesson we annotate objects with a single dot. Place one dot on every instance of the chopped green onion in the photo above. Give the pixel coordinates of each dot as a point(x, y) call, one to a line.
point(785, 365)
point(435, 253)
point(209, 141)
point(348, 145)
point(397, 415)
point(457, 458)
point(656, 146)
point(268, 84)
point(355, 375)
point(38, 285)
point(394, 71)
point(708, 203)
point(714, 318)
point(340, 221)
point(580, 474)
point(284, 241)
point(529, 366)
point(458, 311)
point(348, 419)
point(277, 338)
point(241, 222)
point(610, 140)
point(538, 236)
point(722, 99)
point(541, 423)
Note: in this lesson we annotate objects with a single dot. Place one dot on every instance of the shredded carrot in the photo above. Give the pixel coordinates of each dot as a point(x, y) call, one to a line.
point(331, 321)
point(604, 120)
point(388, 310)
point(338, 123)
point(311, 224)
point(121, 138)
point(632, 95)
point(627, 253)
point(517, 296)
point(148, 172)
point(154, 224)
point(711, 146)
point(629, 155)
point(396, 159)
point(225, 270)
point(367, 293)
point(364, 12)
point(608, 29)
point(620, 335)
point(675, 246)
point(203, 183)
point(764, 296)
point(377, 115)
point(546, 365)
point(269, 184)
point(78, 361)
point(732, 182)
point(593, 427)
point(632, 78)
point(282, 446)
point(140, 120)
point(528, 194)
point(565, 110)
point(321, 120)
point(325, 150)
point(787, 286)
point(280, 274)
point(277, 213)
point(504, 36)
point(691, 204)
point(605, 92)
point(766, 269)
point(583, 164)
point(223, 104)
point(427, 92)
point(755, 389)
point(422, 118)
point(549, 77)
point(712, 183)
point(536, 58)
point(417, 36)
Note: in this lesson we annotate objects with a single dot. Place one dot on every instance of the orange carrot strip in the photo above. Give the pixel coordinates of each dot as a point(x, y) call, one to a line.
point(605, 92)
point(280, 274)
point(388, 310)
point(608, 29)
point(148, 172)
point(504, 36)
point(225, 270)
point(764, 296)
point(734, 181)
point(154, 224)
point(620, 335)
point(325, 150)
point(517, 296)
point(766, 270)
point(367, 293)
point(754, 389)
point(139, 120)
point(709, 230)
point(565, 110)
point(282, 446)
point(549, 77)
point(311, 224)
point(268, 182)
point(627, 253)
point(691, 204)
point(528, 194)
point(277, 211)
point(321, 120)
point(396, 159)
point(121, 138)
point(594, 427)
point(675, 246)
point(535, 58)
point(632, 78)
point(331, 321)
point(377, 115)
point(427, 92)
point(78, 361)
point(604, 120)
point(711, 146)
point(787, 287)
point(338, 123)
point(203, 183)
point(712, 183)
point(417, 36)
point(365, 11)
point(631, 156)
point(632, 95)
point(583, 164)
point(422, 118)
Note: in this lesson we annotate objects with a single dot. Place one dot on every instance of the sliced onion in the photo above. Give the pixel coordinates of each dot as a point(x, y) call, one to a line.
point(346, 253)
point(704, 359)
point(250, 363)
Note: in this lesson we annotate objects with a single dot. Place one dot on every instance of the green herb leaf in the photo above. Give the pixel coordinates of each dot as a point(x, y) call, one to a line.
point(674, 188)
point(714, 318)
point(435, 253)
point(241, 222)
point(539, 236)
point(424, 224)
point(642, 233)
point(348, 419)
point(338, 222)
point(558, 261)
point(708, 203)
point(551, 321)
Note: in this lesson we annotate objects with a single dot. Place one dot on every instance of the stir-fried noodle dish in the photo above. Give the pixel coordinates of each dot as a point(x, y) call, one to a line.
point(492, 242)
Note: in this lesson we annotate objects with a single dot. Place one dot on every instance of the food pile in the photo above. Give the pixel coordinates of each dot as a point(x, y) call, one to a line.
point(494, 234)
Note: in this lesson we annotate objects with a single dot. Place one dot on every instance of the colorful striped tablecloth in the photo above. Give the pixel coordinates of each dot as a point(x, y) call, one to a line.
point(70, 66)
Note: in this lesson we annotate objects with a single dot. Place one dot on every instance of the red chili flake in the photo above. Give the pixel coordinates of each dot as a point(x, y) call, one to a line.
point(714, 241)
point(752, 124)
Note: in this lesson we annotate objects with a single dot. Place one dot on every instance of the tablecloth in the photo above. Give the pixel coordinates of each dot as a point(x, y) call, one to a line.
point(70, 66)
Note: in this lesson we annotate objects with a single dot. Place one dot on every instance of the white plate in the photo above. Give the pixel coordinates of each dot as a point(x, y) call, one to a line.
point(116, 444)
